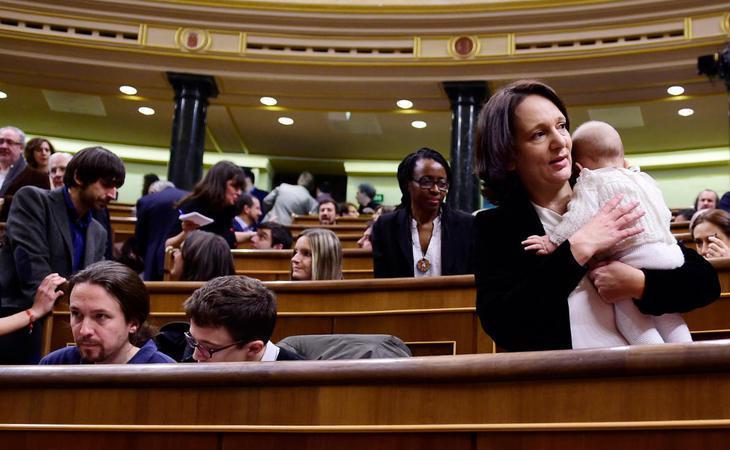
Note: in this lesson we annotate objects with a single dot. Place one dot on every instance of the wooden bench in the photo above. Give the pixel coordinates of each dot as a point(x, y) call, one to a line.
point(121, 210)
point(679, 227)
point(432, 315)
point(639, 398)
point(313, 220)
point(122, 227)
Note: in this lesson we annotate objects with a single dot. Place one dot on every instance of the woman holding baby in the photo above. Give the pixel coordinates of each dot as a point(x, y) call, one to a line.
point(530, 301)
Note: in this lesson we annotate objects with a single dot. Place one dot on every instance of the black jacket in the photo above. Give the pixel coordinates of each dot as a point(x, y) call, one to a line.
point(392, 244)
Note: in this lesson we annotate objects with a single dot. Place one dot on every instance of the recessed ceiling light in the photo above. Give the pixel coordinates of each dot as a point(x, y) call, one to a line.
point(128, 90)
point(686, 112)
point(3, 95)
point(419, 124)
point(675, 90)
point(268, 101)
point(146, 110)
point(404, 104)
point(286, 121)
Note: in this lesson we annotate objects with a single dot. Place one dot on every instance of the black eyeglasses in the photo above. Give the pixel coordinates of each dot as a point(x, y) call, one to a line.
point(206, 352)
point(429, 183)
point(8, 141)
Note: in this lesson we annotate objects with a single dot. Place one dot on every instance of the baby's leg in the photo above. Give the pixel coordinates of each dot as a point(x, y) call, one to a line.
point(672, 328)
point(637, 328)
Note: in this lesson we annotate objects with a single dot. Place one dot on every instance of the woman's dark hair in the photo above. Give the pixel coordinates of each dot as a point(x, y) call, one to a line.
point(495, 133)
point(405, 171)
point(31, 146)
point(212, 188)
point(206, 256)
point(147, 181)
point(126, 287)
point(717, 217)
point(92, 164)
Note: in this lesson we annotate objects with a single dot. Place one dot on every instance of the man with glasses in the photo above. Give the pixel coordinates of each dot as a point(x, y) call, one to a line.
point(232, 319)
point(12, 142)
point(53, 232)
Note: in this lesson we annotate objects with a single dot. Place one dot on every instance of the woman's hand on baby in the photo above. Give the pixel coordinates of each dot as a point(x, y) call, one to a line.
point(612, 224)
point(616, 281)
point(540, 244)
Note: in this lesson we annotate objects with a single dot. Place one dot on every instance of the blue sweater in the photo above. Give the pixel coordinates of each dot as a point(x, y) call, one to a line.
point(148, 354)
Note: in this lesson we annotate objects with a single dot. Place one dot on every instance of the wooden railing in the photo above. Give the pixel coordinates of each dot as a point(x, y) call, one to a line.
point(673, 396)
point(313, 220)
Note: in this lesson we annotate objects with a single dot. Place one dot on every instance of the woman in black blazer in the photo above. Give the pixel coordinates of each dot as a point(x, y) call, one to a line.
point(423, 236)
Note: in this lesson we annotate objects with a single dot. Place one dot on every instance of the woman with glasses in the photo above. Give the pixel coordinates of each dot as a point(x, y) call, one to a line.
point(423, 237)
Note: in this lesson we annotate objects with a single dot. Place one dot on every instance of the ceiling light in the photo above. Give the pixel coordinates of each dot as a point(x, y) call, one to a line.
point(3, 95)
point(146, 110)
point(675, 90)
point(128, 90)
point(686, 112)
point(404, 104)
point(268, 101)
point(419, 124)
point(286, 121)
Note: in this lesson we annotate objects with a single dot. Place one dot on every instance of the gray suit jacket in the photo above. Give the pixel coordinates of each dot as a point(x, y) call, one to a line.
point(39, 242)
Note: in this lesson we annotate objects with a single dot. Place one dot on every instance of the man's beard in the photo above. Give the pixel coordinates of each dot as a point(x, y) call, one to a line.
point(93, 354)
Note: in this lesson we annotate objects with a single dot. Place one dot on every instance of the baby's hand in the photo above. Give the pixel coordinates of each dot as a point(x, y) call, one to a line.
point(539, 244)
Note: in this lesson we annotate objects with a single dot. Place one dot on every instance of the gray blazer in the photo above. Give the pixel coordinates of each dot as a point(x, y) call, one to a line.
point(39, 242)
point(13, 173)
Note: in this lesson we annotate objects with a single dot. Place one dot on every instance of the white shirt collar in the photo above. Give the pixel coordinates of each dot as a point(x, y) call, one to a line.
point(271, 352)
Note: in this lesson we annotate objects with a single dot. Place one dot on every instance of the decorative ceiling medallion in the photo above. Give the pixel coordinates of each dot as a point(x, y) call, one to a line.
point(463, 46)
point(192, 39)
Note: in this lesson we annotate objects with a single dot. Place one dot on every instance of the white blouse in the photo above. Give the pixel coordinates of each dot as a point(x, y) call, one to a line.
point(592, 321)
point(433, 253)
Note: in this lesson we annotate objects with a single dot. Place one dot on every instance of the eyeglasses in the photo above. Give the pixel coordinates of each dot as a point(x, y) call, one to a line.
point(8, 141)
point(206, 352)
point(429, 183)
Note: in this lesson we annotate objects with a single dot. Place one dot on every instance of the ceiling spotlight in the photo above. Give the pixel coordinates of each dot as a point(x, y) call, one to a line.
point(128, 90)
point(146, 110)
point(268, 101)
point(404, 104)
point(286, 121)
point(675, 90)
point(419, 124)
point(686, 112)
point(3, 95)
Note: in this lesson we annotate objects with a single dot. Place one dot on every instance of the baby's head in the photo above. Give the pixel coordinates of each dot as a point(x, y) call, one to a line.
point(596, 145)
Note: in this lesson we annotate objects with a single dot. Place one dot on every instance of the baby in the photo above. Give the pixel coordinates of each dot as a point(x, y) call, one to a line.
point(599, 154)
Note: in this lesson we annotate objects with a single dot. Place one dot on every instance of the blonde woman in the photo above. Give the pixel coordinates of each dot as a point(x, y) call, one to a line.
point(317, 256)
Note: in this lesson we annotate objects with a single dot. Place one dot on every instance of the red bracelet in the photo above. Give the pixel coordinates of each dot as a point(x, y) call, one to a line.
point(31, 319)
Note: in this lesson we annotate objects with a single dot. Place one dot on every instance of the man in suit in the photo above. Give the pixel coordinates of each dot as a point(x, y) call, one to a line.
point(156, 218)
point(53, 232)
point(12, 142)
point(232, 319)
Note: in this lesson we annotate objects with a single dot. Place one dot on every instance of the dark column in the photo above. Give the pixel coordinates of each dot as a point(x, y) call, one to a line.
point(466, 99)
point(188, 127)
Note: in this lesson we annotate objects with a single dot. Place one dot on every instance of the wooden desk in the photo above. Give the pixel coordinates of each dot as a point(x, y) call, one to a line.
point(122, 227)
point(121, 210)
point(679, 227)
point(313, 220)
point(432, 315)
point(352, 258)
point(639, 398)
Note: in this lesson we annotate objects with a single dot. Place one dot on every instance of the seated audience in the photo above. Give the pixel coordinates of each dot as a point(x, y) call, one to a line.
point(57, 167)
point(157, 217)
point(287, 199)
point(270, 235)
point(247, 218)
point(232, 319)
point(214, 197)
point(711, 232)
point(423, 237)
point(317, 256)
point(707, 199)
point(365, 195)
point(684, 215)
point(37, 152)
point(45, 297)
point(202, 257)
point(327, 212)
point(108, 305)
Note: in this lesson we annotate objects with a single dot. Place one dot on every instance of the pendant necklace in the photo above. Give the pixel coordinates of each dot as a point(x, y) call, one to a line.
point(423, 265)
